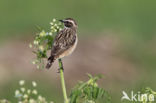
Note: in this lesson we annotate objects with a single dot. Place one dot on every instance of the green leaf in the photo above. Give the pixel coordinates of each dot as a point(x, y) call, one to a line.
point(88, 91)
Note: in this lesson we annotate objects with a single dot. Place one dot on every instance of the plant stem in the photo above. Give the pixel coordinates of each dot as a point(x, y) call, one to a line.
point(62, 80)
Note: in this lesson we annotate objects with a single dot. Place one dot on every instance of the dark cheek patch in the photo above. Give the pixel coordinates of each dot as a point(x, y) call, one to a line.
point(68, 24)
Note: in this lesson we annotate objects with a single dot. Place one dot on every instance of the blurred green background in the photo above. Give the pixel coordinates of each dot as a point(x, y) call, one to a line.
point(116, 38)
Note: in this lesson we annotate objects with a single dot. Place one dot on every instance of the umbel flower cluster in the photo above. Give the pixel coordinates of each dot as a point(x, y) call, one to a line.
point(43, 42)
point(27, 95)
point(24, 93)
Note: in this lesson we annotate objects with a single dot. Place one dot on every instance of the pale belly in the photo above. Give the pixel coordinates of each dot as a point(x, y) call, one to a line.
point(69, 51)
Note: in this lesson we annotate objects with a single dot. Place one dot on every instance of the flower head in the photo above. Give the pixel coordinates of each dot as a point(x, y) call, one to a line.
point(28, 91)
point(54, 20)
point(23, 89)
point(30, 45)
point(34, 91)
point(34, 84)
point(51, 23)
point(36, 42)
point(42, 34)
point(41, 48)
point(21, 82)
point(50, 34)
point(17, 92)
point(25, 96)
point(33, 62)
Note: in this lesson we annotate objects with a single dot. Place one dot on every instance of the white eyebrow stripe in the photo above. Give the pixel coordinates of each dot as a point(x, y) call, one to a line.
point(70, 21)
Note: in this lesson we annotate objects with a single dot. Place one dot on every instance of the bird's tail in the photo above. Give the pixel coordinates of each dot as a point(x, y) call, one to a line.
point(50, 62)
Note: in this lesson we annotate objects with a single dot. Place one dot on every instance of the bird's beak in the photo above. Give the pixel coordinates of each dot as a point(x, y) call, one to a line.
point(61, 21)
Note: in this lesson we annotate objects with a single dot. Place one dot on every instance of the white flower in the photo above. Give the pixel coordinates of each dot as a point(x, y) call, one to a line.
point(50, 33)
point(55, 30)
point(40, 97)
point(23, 89)
point(21, 82)
point(51, 23)
point(52, 27)
point(41, 48)
point(17, 92)
point(32, 101)
point(33, 62)
point(36, 42)
point(55, 24)
point(42, 34)
point(28, 91)
point(54, 20)
point(25, 96)
point(38, 66)
point(60, 29)
point(34, 84)
point(34, 91)
point(30, 45)
point(57, 27)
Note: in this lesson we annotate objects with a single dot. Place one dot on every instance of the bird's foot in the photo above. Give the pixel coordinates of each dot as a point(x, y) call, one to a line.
point(60, 69)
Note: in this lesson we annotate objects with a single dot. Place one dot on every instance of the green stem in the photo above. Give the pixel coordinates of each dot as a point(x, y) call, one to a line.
point(63, 81)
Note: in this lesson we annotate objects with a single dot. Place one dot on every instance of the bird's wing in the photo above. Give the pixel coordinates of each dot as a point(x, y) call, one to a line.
point(63, 41)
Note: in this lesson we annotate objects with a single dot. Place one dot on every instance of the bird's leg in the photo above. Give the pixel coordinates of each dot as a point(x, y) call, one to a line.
point(61, 66)
point(58, 70)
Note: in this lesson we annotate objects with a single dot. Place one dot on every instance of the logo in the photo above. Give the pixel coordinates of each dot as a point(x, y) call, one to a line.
point(137, 97)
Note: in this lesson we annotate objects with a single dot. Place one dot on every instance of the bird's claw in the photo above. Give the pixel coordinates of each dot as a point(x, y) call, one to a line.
point(59, 70)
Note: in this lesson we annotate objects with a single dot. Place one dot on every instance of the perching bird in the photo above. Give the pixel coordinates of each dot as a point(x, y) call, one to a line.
point(65, 41)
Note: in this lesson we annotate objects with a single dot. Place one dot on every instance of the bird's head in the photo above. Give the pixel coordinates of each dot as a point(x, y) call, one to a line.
point(69, 23)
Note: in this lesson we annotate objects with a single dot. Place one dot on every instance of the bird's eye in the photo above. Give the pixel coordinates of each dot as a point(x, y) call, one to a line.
point(68, 24)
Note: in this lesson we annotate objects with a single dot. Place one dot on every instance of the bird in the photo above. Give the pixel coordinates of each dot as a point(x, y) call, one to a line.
point(64, 42)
